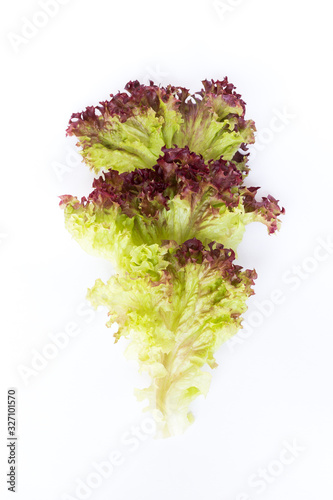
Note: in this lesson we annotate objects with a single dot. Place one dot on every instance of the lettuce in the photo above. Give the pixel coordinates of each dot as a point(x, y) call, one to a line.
point(168, 209)
point(128, 131)
point(180, 198)
point(176, 311)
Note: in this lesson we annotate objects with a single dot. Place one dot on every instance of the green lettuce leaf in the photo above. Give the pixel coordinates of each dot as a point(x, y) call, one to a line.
point(180, 198)
point(128, 131)
point(176, 314)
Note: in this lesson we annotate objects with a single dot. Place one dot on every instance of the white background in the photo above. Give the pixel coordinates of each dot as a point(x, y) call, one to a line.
point(272, 387)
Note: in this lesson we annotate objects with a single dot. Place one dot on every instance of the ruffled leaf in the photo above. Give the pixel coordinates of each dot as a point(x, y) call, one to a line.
point(176, 324)
point(128, 131)
point(180, 198)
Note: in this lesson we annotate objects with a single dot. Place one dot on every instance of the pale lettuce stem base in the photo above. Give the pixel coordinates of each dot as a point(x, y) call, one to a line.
point(171, 405)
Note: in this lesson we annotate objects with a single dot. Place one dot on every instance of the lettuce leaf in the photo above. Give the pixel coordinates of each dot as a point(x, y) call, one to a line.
point(180, 198)
point(129, 131)
point(176, 316)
